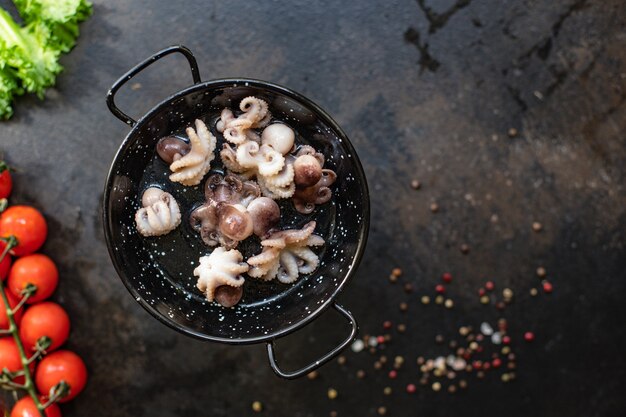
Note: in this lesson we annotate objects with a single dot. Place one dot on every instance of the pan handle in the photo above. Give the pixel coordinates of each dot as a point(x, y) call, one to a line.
point(320, 361)
point(195, 73)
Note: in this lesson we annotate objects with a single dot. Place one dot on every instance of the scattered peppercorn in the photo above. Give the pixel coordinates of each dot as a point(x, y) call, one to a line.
point(452, 389)
point(425, 299)
point(333, 413)
point(496, 362)
point(462, 384)
point(393, 374)
point(341, 360)
point(533, 292)
point(387, 325)
point(332, 393)
point(512, 132)
point(440, 289)
point(415, 184)
point(408, 288)
point(464, 331)
point(257, 406)
point(541, 272)
point(484, 299)
point(411, 388)
point(489, 285)
point(378, 365)
point(404, 306)
point(396, 272)
point(449, 303)
point(500, 305)
point(381, 411)
point(387, 391)
point(439, 299)
point(434, 207)
point(464, 248)
point(537, 227)
point(360, 374)
point(383, 359)
point(436, 386)
point(529, 336)
point(547, 287)
point(401, 328)
point(439, 339)
point(312, 375)
point(447, 277)
point(506, 340)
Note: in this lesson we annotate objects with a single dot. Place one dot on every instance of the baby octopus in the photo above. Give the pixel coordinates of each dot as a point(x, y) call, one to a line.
point(219, 276)
point(189, 165)
point(237, 130)
point(233, 211)
point(286, 255)
point(312, 181)
point(159, 215)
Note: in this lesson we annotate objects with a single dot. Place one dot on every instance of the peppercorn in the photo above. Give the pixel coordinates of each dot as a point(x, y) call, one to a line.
point(401, 328)
point(387, 391)
point(360, 374)
point(489, 285)
point(381, 411)
point(411, 388)
point(312, 375)
point(434, 207)
point(415, 184)
point(463, 384)
point(436, 386)
point(396, 272)
point(449, 303)
point(408, 288)
point(547, 287)
point(484, 299)
point(425, 299)
point(439, 299)
point(257, 406)
point(512, 132)
point(529, 336)
point(464, 248)
point(332, 393)
point(541, 272)
point(439, 339)
point(440, 289)
point(341, 360)
point(452, 389)
point(537, 227)
point(447, 277)
point(533, 292)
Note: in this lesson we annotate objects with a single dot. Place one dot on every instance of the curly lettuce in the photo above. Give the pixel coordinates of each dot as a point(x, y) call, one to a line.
point(29, 53)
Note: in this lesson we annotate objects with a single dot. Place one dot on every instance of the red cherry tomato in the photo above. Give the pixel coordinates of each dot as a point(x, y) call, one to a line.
point(36, 269)
point(44, 319)
point(6, 183)
point(26, 407)
point(27, 225)
point(5, 263)
point(10, 357)
point(58, 366)
point(4, 320)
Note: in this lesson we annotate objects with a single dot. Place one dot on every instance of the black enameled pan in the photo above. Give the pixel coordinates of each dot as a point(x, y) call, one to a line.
point(158, 271)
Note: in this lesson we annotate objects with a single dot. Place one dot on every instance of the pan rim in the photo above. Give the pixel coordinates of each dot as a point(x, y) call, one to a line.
point(362, 234)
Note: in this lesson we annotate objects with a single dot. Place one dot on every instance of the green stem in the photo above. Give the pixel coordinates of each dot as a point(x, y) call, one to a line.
point(29, 386)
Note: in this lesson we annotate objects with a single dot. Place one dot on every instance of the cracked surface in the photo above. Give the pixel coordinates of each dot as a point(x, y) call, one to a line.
point(553, 70)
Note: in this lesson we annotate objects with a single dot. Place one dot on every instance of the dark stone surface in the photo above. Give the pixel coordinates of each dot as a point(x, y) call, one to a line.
point(425, 90)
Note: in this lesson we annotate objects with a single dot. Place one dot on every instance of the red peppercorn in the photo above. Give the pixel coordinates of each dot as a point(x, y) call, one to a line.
point(529, 336)
point(481, 292)
point(380, 339)
point(393, 374)
point(411, 388)
point(547, 287)
point(387, 325)
point(447, 277)
point(440, 289)
point(506, 340)
point(496, 363)
point(477, 364)
point(489, 285)
point(479, 348)
point(486, 366)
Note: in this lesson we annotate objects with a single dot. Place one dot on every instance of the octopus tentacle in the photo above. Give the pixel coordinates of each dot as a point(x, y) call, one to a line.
point(286, 254)
point(160, 214)
point(191, 168)
point(221, 267)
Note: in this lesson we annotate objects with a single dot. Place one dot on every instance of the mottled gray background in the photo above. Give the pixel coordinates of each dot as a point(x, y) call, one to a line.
point(426, 90)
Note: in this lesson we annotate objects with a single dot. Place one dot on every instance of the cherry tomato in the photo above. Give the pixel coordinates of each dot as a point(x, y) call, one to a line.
point(26, 407)
point(58, 366)
point(44, 319)
point(36, 269)
point(10, 357)
point(4, 320)
point(27, 225)
point(5, 264)
point(6, 183)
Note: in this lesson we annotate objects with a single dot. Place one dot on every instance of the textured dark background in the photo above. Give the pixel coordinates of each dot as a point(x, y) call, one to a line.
point(425, 90)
